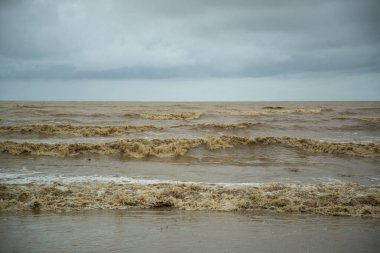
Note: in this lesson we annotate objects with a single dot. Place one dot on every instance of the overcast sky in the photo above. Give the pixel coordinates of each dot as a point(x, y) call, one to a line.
point(190, 50)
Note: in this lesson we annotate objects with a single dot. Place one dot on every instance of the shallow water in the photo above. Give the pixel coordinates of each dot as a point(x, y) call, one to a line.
point(200, 166)
point(185, 231)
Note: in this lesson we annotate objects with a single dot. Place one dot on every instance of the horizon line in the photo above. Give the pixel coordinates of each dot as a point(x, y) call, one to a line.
point(187, 101)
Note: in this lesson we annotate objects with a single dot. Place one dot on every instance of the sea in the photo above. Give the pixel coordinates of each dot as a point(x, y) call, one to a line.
point(189, 176)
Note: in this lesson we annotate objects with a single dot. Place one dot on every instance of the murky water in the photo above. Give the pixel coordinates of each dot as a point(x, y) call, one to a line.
point(332, 122)
point(185, 231)
point(291, 158)
point(244, 167)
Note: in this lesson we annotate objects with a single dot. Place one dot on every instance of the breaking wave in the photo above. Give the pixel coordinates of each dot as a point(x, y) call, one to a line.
point(88, 131)
point(76, 130)
point(325, 199)
point(139, 148)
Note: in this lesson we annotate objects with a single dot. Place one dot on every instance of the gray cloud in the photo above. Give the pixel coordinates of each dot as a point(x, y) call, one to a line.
point(193, 39)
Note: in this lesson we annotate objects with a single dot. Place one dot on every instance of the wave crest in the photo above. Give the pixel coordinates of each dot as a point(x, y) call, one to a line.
point(76, 130)
point(373, 120)
point(140, 148)
point(171, 116)
point(269, 111)
point(89, 131)
point(228, 126)
point(326, 199)
point(273, 107)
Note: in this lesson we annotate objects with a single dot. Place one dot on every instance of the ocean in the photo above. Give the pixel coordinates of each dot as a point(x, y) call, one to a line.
point(207, 177)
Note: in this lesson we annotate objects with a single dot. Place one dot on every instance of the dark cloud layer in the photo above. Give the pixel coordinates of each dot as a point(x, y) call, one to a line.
point(163, 39)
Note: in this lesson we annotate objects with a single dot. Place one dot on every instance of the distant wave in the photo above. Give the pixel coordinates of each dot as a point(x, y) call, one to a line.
point(372, 120)
point(59, 114)
point(171, 116)
point(368, 108)
point(366, 120)
point(27, 106)
point(139, 148)
point(325, 199)
point(227, 126)
point(363, 126)
point(273, 107)
point(92, 115)
point(131, 115)
point(269, 111)
point(344, 118)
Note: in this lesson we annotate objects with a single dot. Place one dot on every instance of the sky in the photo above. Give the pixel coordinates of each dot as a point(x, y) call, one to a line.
point(198, 50)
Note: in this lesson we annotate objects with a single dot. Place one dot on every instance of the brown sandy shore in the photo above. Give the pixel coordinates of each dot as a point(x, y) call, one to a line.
point(139, 148)
point(325, 199)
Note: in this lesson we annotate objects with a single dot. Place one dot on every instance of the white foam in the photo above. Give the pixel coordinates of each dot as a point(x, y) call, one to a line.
point(20, 178)
point(350, 139)
point(8, 174)
point(375, 178)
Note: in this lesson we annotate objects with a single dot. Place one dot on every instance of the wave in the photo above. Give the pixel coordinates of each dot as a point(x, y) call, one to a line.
point(76, 130)
point(365, 120)
point(363, 126)
point(368, 108)
point(325, 199)
point(68, 115)
point(131, 115)
point(55, 114)
point(270, 111)
point(88, 131)
point(372, 120)
point(273, 107)
point(171, 116)
point(344, 118)
point(227, 126)
point(28, 106)
point(140, 148)
point(99, 115)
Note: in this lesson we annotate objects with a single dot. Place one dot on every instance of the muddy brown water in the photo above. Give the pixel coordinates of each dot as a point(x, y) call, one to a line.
point(302, 144)
point(185, 231)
